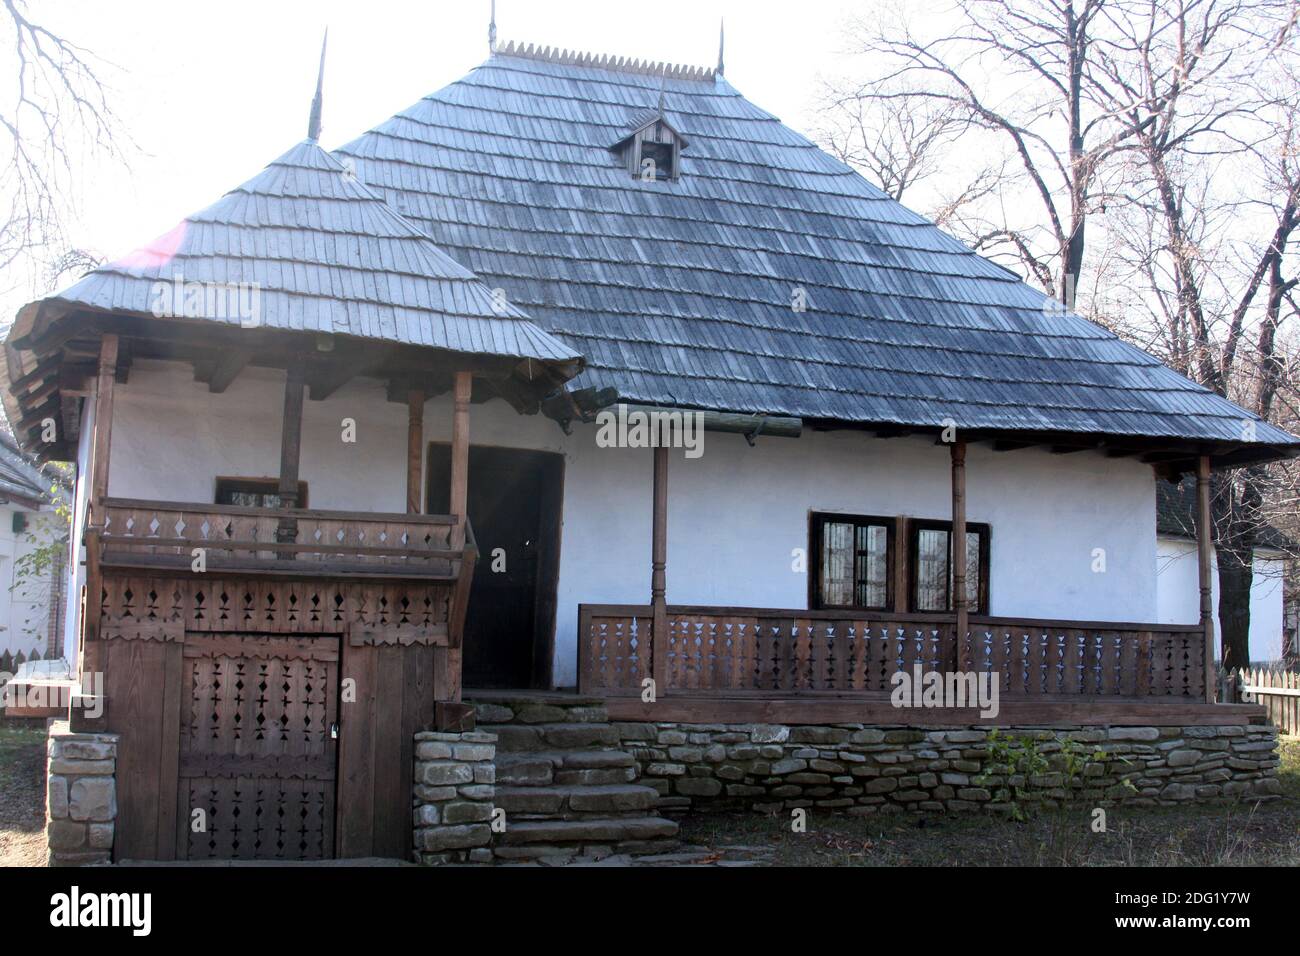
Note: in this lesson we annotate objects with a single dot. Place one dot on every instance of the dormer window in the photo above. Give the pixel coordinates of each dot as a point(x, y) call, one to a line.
point(657, 162)
point(652, 151)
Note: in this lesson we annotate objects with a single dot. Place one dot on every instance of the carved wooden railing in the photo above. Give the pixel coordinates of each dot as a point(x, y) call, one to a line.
point(748, 651)
point(164, 535)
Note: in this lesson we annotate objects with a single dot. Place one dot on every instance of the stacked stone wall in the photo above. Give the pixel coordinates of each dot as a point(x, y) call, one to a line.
point(862, 769)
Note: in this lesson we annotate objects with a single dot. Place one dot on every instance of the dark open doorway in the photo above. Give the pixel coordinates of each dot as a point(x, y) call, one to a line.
point(515, 498)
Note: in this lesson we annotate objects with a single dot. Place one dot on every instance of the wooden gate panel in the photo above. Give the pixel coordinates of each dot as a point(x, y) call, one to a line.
point(394, 700)
point(143, 685)
point(260, 818)
point(257, 751)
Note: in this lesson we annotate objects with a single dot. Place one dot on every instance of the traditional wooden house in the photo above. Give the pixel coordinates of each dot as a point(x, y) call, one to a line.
point(279, 492)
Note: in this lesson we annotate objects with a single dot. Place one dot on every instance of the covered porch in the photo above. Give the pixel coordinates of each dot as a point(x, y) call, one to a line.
point(663, 662)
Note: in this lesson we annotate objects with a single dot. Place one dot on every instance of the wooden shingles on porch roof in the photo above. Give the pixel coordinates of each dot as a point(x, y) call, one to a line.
point(680, 292)
point(323, 255)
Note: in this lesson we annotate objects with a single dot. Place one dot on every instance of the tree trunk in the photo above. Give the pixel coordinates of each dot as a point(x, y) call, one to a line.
point(1235, 573)
point(1237, 508)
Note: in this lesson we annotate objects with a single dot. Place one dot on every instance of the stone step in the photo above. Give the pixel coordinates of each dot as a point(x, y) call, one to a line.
point(542, 768)
point(514, 738)
point(619, 830)
point(538, 709)
point(574, 801)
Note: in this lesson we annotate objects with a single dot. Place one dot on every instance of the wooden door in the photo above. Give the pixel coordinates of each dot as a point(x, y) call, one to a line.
point(514, 507)
point(258, 747)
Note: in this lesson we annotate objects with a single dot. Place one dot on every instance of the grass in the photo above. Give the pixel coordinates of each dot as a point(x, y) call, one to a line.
point(22, 792)
point(17, 737)
point(1238, 834)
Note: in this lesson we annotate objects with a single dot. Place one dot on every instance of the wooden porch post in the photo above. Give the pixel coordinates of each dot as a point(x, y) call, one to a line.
point(459, 496)
point(290, 454)
point(447, 660)
point(108, 348)
point(658, 569)
point(1204, 542)
point(958, 543)
point(91, 658)
point(414, 449)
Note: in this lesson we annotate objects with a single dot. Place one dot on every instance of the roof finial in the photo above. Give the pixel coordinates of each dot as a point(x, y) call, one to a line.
point(663, 75)
point(722, 37)
point(492, 30)
point(313, 123)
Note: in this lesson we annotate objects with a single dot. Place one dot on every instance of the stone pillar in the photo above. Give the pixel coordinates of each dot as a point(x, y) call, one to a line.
point(455, 787)
point(81, 795)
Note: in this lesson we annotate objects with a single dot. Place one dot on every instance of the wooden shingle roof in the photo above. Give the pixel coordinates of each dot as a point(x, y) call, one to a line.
point(325, 255)
point(680, 293)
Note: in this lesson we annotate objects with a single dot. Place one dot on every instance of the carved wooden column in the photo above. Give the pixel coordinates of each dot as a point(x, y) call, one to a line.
point(91, 656)
point(447, 661)
point(290, 454)
point(414, 450)
point(658, 570)
point(459, 496)
point(1204, 546)
point(957, 541)
point(108, 348)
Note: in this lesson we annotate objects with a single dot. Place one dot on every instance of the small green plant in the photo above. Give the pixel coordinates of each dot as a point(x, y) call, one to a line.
point(1013, 762)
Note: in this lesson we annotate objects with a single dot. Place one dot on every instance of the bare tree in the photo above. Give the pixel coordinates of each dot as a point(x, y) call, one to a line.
point(1206, 93)
point(57, 108)
point(1016, 69)
point(1169, 128)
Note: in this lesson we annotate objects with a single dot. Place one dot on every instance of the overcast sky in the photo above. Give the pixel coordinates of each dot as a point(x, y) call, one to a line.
point(210, 92)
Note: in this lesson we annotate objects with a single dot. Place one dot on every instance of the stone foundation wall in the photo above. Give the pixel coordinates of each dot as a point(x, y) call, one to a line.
point(861, 769)
point(81, 795)
point(455, 786)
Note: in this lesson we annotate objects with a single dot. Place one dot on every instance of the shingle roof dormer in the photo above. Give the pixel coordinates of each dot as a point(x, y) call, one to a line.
point(652, 150)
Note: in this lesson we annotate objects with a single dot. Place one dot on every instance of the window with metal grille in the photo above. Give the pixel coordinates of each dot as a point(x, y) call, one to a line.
point(852, 562)
point(255, 493)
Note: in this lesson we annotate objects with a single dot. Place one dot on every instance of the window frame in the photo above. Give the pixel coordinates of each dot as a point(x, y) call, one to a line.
point(256, 486)
point(817, 521)
point(667, 150)
point(915, 527)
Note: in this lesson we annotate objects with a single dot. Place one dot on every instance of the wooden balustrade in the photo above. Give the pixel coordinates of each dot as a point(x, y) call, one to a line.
point(164, 535)
point(751, 651)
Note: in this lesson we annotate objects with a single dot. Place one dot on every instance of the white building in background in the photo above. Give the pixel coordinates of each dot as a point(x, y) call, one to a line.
point(30, 623)
point(1176, 574)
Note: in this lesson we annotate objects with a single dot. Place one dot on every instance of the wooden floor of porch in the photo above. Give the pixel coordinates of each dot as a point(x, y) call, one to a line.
point(877, 710)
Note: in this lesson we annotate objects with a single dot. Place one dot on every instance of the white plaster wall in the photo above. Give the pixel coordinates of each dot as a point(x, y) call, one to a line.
point(735, 515)
point(1178, 593)
point(24, 603)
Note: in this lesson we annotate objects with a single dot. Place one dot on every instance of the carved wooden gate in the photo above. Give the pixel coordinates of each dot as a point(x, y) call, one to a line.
point(258, 747)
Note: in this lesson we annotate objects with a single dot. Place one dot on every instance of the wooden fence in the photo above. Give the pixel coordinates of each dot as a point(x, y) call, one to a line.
point(1277, 690)
point(319, 543)
point(741, 651)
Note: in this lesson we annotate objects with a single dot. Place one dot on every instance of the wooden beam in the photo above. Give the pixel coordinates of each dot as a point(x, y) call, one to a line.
point(227, 370)
point(290, 454)
point(125, 354)
point(103, 422)
point(658, 571)
point(459, 492)
point(902, 548)
point(34, 419)
point(957, 541)
point(414, 448)
point(326, 378)
point(1070, 449)
point(1204, 545)
point(1003, 444)
point(75, 379)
